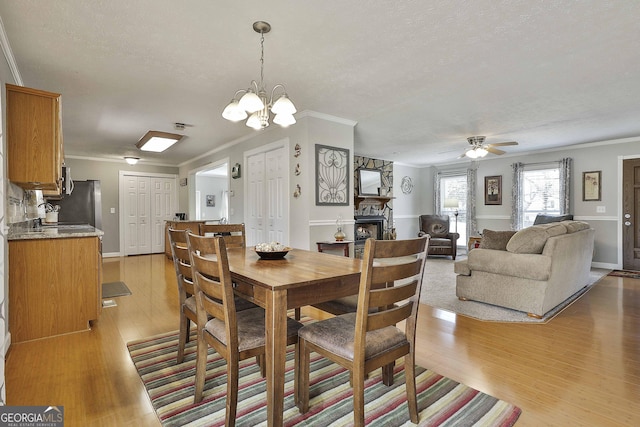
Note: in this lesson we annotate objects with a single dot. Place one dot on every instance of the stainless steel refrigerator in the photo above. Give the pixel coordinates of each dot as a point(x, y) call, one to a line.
point(83, 205)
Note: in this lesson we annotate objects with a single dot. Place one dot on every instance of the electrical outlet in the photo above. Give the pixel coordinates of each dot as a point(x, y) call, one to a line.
point(600, 209)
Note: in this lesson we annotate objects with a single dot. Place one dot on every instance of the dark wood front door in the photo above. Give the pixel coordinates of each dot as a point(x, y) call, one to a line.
point(631, 214)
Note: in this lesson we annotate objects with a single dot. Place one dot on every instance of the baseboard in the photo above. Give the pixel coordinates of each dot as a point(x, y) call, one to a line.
point(606, 265)
point(111, 255)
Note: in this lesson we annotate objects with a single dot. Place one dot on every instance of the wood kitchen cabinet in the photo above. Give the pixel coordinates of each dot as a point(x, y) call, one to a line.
point(55, 286)
point(34, 139)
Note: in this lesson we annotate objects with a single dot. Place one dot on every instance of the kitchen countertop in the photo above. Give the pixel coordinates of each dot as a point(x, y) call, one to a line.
point(53, 232)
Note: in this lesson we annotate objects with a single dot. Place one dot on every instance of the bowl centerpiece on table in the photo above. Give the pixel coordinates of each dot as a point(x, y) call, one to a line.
point(273, 250)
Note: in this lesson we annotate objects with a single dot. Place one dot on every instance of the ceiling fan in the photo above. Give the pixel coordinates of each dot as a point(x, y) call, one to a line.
point(480, 149)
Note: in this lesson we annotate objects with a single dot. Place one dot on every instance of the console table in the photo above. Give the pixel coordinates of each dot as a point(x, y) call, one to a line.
point(334, 244)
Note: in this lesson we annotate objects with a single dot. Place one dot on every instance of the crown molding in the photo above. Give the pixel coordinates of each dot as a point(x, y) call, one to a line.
point(8, 54)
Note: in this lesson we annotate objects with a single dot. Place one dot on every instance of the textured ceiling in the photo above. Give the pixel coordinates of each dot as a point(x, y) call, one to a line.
point(418, 77)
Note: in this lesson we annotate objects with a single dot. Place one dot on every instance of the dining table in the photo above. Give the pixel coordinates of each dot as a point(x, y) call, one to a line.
point(300, 278)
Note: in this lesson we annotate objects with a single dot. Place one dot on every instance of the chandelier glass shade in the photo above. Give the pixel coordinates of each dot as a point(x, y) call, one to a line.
point(254, 102)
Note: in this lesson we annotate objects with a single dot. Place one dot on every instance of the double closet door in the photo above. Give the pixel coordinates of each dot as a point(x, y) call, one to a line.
point(267, 201)
point(149, 202)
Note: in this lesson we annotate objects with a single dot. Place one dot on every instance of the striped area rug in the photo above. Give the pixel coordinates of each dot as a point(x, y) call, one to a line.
point(441, 401)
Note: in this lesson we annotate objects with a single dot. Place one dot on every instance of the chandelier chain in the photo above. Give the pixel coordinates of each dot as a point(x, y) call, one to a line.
point(261, 60)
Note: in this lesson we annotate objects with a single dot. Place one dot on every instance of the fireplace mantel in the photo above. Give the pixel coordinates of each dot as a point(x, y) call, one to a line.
point(381, 200)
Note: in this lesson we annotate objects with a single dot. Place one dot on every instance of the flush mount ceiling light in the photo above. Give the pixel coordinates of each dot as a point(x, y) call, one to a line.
point(157, 141)
point(254, 102)
point(131, 160)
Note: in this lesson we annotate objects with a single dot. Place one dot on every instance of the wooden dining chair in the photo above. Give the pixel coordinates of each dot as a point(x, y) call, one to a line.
point(362, 341)
point(234, 335)
point(233, 234)
point(186, 293)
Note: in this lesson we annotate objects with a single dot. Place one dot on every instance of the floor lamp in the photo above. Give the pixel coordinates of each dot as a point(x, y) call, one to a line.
point(453, 203)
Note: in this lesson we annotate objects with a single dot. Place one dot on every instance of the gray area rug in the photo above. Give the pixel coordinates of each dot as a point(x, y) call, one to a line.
point(115, 289)
point(439, 291)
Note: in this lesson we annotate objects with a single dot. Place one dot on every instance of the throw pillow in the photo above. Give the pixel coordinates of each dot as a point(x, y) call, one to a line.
point(495, 239)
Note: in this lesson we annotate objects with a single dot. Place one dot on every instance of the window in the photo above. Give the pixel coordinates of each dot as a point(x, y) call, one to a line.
point(452, 188)
point(540, 194)
point(541, 188)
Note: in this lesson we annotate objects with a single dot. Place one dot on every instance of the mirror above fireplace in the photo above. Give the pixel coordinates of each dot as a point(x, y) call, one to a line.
point(369, 182)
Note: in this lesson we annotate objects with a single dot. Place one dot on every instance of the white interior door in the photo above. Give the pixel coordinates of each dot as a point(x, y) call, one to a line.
point(162, 209)
point(276, 175)
point(130, 213)
point(146, 203)
point(266, 209)
point(254, 219)
point(144, 215)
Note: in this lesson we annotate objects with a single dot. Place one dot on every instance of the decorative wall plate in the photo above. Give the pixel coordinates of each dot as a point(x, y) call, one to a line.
point(406, 185)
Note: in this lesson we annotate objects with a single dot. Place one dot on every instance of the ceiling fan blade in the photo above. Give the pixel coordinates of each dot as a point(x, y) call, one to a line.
point(499, 144)
point(462, 156)
point(494, 150)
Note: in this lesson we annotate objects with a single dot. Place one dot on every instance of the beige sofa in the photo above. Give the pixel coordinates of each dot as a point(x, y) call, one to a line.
point(532, 270)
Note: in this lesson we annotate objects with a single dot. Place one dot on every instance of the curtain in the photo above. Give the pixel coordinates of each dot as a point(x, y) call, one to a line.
point(516, 196)
point(436, 194)
point(565, 185)
point(472, 223)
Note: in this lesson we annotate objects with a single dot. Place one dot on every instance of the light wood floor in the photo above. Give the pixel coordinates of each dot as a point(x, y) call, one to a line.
point(582, 368)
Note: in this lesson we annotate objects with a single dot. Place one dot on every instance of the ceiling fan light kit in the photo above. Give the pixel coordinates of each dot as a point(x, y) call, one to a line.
point(479, 149)
point(254, 103)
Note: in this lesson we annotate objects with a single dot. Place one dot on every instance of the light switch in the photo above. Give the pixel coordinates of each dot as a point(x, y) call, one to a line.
point(600, 209)
point(231, 211)
point(113, 210)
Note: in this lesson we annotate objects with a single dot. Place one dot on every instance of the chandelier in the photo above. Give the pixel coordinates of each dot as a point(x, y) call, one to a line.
point(254, 102)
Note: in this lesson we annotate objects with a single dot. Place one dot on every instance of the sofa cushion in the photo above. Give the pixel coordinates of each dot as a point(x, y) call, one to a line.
point(437, 242)
point(525, 266)
point(531, 240)
point(496, 239)
point(573, 226)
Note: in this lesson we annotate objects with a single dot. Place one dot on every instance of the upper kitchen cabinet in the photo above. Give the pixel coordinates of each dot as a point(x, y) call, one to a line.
point(34, 139)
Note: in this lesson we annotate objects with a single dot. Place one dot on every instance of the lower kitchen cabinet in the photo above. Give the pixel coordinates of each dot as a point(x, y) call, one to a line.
point(55, 286)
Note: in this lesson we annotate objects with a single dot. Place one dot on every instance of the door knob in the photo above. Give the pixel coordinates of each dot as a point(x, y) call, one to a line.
point(627, 215)
point(627, 223)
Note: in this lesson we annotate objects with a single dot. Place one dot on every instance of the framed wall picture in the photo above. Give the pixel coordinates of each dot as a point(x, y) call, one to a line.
point(591, 186)
point(332, 176)
point(211, 200)
point(493, 190)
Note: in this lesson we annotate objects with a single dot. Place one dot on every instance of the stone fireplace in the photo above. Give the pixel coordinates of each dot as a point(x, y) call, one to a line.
point(367, 226)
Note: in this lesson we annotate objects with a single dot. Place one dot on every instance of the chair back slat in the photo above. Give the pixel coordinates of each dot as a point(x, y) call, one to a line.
point(389, 317)
point(233, 234)
point(391, 272)
point(392, 295)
